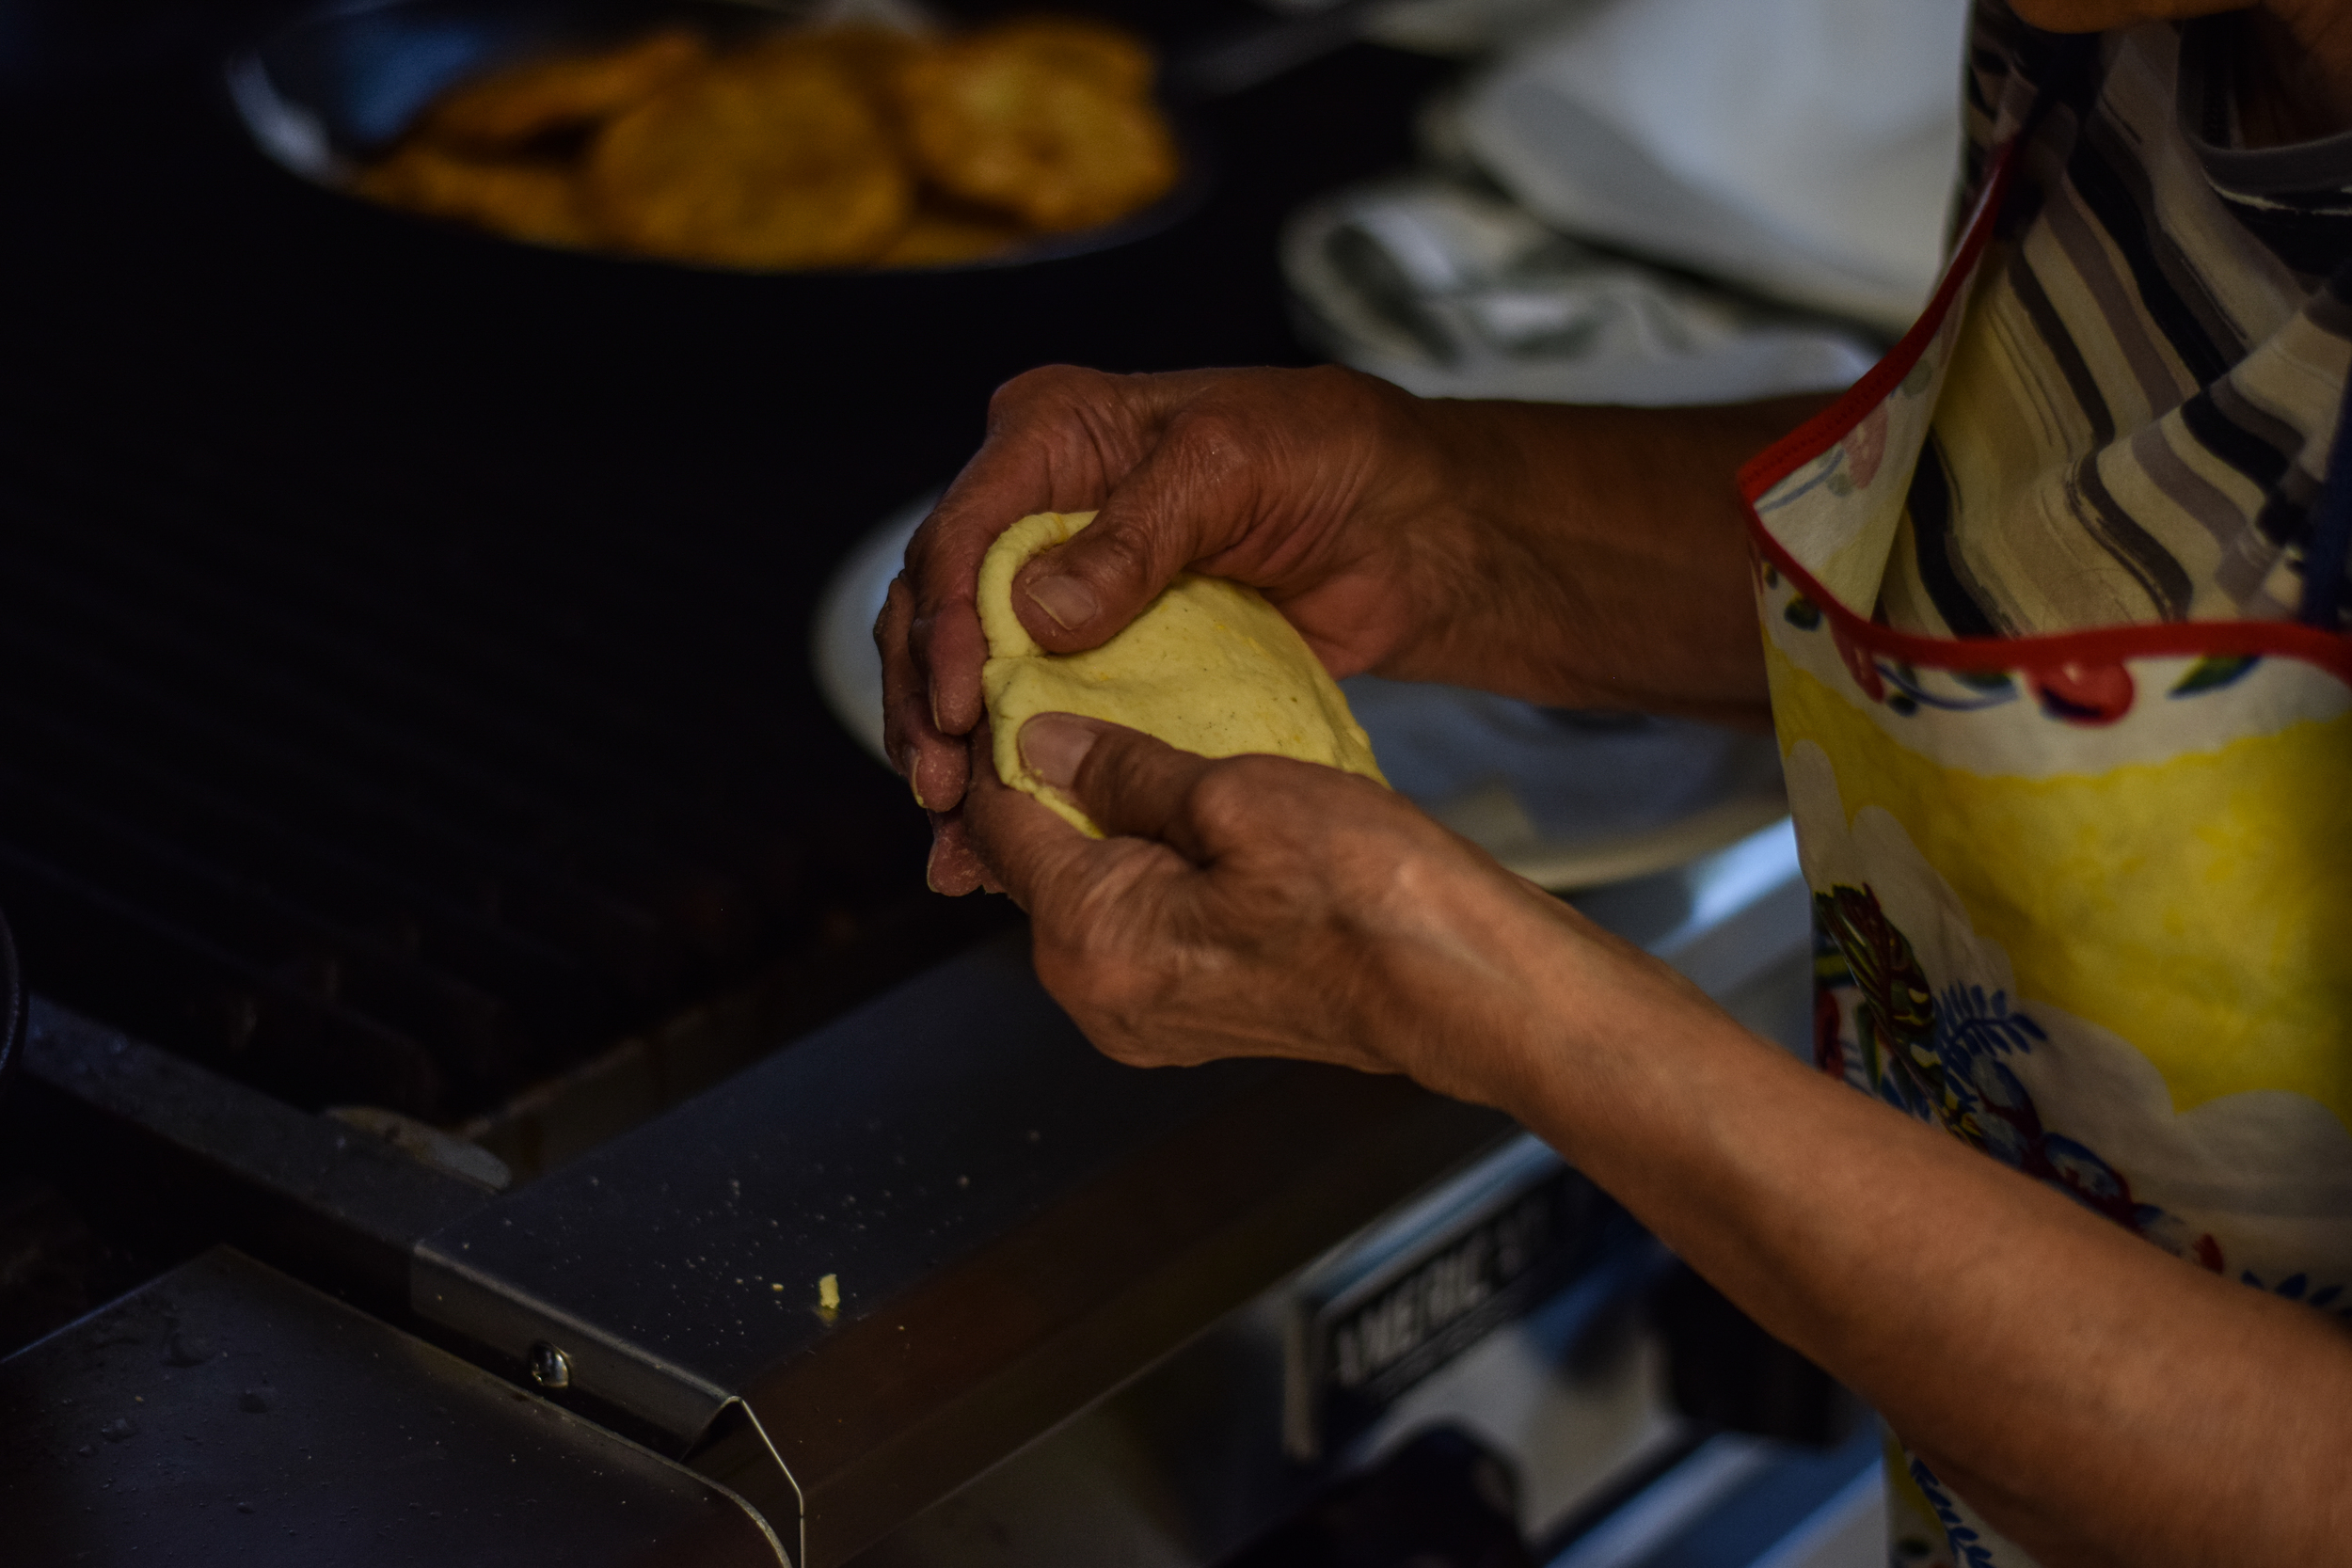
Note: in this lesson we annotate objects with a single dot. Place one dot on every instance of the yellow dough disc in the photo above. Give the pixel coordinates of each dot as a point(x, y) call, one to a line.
point(1208, 667)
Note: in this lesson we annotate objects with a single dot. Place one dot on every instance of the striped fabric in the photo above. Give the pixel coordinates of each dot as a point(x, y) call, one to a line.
point(2142, 406)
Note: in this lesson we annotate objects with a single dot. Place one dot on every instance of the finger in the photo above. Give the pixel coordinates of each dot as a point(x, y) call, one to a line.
point(934, 765)
point(1035, 854)
point(955, 868)
point(1104, 915)
point(944, 636)
point(1132, 784)
point(1058, 439)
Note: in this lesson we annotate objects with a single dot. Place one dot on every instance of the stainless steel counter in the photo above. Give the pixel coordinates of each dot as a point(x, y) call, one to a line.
point(1015, 1227)
point(889, 1284)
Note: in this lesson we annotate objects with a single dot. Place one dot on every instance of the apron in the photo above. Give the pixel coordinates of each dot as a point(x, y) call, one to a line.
point(2083, 900)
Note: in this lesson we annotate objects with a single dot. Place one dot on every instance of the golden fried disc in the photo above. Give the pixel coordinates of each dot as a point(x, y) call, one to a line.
point(870, 56)
point(998, 120)
point(772, 158)
point(523, 103)
point(535, 201)
point(1106, 56)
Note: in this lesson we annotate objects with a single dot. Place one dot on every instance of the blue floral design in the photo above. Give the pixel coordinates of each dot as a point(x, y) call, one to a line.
point(1944, 1057)
point(2297, 1286)
point(1966, 692)
point(1968, 1545)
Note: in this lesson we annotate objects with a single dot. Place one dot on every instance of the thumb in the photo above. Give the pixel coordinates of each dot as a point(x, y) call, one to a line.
point(1187, 501)
point(1134, 785)
point(1048, 867)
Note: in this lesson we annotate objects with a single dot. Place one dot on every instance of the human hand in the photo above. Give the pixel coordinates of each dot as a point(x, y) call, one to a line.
point(1328, 490)
point(1582, 557)
point(1259, 907)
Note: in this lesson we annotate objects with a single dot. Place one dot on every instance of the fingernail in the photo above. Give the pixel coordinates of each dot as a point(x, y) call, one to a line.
point(1054, 744)
point(1067, 599)
point(935, 867)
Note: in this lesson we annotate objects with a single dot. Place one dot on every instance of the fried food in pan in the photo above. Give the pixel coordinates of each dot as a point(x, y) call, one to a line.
point(527, 200)
point(837, 146)
point(517, 104)
point(1000, 118)
point(871, 55)
point(769, 158)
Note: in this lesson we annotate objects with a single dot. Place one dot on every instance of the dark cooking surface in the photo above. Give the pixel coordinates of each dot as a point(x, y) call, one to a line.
point(403, 663)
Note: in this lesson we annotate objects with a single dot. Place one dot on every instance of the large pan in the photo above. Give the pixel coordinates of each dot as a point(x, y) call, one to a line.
point(435, 312)
point(337, 86)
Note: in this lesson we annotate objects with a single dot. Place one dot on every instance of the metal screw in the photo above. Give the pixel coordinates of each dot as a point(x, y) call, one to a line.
point(550, 1367)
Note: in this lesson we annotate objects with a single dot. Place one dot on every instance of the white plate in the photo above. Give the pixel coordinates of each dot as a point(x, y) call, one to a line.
point(1566, 801)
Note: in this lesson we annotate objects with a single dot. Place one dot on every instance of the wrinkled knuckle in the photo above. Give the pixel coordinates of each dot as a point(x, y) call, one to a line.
point(1118, 555)
point(1323, 377)
point(1346, 381)
point(1012, 396)
point(1048, 385)
point(920, 627)
point(1337, 378)
point(1226, 796)
point(890, 623)
point(1217, 438)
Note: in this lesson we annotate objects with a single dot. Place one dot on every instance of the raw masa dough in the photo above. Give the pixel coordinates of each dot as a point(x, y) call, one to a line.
point(1208, 667)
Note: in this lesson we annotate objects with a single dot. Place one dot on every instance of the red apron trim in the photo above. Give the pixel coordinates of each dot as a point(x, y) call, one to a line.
point(1825, 430)
point(2329, 650)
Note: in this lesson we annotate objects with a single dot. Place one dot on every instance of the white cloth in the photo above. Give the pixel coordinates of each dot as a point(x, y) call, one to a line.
point(1805, 148)
point(1450, 292)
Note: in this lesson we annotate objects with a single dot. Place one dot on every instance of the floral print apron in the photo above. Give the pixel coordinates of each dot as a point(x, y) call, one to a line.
point(2084, 900)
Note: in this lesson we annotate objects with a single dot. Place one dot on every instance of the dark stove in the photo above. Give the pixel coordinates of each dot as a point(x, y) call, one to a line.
point(404, 814)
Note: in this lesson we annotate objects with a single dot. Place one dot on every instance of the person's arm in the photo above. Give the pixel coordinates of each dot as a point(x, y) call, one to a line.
point(2098, 1401)
point(1587, 557)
